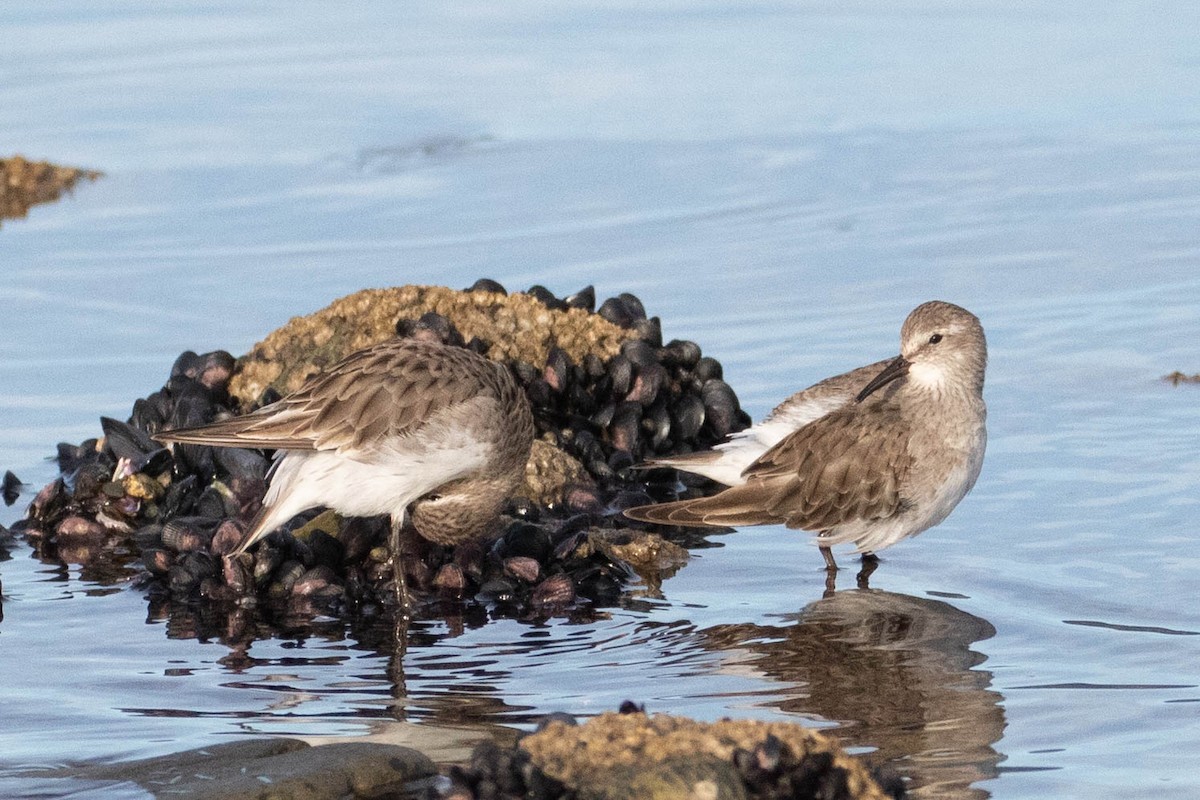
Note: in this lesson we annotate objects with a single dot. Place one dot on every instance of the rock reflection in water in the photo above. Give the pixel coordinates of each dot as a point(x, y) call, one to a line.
point(897, 673)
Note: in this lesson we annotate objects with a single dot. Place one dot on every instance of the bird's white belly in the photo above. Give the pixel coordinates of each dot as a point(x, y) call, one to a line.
point(323, 478)
point(385, 481)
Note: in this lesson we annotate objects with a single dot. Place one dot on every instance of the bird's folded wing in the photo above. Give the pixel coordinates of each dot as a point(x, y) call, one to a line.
point(371, 395)
point(846, 467)
point(823, 397)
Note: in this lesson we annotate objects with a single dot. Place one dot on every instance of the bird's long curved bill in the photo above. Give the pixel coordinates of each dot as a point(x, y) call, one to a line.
point(896, 368)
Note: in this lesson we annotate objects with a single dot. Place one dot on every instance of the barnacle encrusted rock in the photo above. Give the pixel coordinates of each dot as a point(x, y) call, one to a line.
point(638, 756)
point(25, 183)
point(606, 392)
point(650, 555)
point(548, 472)
point(517, 327)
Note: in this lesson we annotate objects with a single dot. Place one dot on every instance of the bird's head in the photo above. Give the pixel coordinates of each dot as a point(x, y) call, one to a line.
point(458, 511)
point(941, 346)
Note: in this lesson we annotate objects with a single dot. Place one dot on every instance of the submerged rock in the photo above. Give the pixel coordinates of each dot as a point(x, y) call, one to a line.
point(282, 769)
point(623, 756)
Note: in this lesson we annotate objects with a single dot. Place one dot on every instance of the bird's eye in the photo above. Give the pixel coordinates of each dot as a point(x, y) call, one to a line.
point(937, 337)
point(432, 497)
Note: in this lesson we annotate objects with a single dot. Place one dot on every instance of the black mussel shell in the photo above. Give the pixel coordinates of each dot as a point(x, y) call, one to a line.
point(487, 285)
point(585, 298)
point(12, 488)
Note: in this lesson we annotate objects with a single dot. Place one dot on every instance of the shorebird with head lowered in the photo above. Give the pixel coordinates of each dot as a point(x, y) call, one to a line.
point(416, 430)
point(868, 457)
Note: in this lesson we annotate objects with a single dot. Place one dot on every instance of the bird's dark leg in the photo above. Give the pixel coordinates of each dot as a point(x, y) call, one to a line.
point(831, 570)
point(830, 564)
point(399, 581)
point(401, 620)
point(400, 703)
point(870, 562)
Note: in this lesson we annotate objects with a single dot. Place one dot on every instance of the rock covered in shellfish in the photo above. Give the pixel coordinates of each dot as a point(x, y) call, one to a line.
point(606, 394)
point(630, 756)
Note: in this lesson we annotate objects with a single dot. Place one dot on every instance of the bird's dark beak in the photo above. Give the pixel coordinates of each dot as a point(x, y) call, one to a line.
point(896, 368)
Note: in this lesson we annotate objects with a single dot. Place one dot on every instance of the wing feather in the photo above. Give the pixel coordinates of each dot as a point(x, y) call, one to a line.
point(845, 467)
point(376, 393)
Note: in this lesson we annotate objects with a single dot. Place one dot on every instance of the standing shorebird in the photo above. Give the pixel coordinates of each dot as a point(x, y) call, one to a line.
point(871, 457)
point(412, 429)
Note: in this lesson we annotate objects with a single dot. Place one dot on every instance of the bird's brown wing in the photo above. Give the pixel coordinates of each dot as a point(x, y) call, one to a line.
point(381, 391)
point(844, 467)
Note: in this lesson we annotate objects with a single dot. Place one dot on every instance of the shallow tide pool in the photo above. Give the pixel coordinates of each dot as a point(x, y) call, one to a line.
point(781, 184)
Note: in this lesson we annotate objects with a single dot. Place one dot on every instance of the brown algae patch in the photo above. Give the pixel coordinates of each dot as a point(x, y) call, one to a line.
point(517, 327)
point(1177, 377)
point(25, 183)
point(635, 755)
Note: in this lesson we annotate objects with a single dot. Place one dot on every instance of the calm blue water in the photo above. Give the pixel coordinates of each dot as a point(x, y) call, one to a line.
point(781, 183)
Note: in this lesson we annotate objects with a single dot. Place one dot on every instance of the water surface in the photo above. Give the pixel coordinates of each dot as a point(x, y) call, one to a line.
point(781, 184)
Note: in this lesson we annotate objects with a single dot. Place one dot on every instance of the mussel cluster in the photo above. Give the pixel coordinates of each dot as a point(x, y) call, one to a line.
point(182, 511)
point(769, 771)
point(10, 488)
point(498, 773)
point(651, 399)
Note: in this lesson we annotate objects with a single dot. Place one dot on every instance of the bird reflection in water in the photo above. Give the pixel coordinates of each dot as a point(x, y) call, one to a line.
point(897, 674)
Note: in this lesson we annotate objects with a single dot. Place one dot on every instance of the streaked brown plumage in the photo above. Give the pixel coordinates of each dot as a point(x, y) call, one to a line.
point(405, 427)
point(876, 455)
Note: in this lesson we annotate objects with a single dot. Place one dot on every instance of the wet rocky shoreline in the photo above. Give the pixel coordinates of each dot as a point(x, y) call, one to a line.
point(607, 393)
point(625, 755)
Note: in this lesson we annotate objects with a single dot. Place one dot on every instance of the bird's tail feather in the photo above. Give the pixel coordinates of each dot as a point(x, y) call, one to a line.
point(700, 512)
point(262, 524)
